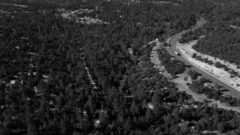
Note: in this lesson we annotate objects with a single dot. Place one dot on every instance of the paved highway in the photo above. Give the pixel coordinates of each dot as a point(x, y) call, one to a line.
point(173, 42)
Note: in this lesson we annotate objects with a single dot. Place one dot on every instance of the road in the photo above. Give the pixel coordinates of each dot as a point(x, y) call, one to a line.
point(182, 83)
point(173, 42)
point(90, 78)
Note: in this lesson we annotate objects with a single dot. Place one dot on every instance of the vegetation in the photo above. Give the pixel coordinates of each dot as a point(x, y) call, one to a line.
point(222, 43)
point(201, 85)
point(45, 82)
point(189, 36)
point(172, 65)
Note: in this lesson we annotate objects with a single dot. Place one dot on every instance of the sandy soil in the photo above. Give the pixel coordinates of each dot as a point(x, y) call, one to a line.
point(15, 5)
point(213, 59)
point(235, 27)
point(155, 60)
point(165, 2)
point(73, 15)
point(4, 12)
point(182, 84)
point(90, 78)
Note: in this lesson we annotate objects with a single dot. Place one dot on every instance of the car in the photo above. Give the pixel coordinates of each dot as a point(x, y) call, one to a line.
point(177, 53)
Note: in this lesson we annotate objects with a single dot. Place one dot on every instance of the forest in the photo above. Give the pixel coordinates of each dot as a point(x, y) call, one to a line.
point(221, 34)
point(222, 43)
point(45, 83)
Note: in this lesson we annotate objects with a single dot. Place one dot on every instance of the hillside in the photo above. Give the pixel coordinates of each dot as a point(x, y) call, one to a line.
point(223, 43)
point(85, 68)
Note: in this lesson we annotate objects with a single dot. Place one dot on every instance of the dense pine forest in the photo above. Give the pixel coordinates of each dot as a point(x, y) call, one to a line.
point(221, 33)
point(61, 77)
point(222, 43)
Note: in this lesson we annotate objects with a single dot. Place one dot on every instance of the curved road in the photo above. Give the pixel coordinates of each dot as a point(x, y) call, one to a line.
point(173, 42)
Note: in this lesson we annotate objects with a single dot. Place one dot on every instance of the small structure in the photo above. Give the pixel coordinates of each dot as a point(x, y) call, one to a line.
point(12, 82)
point(84, 113)
point(97, 123)
point(150, 106)
point(130, 50)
